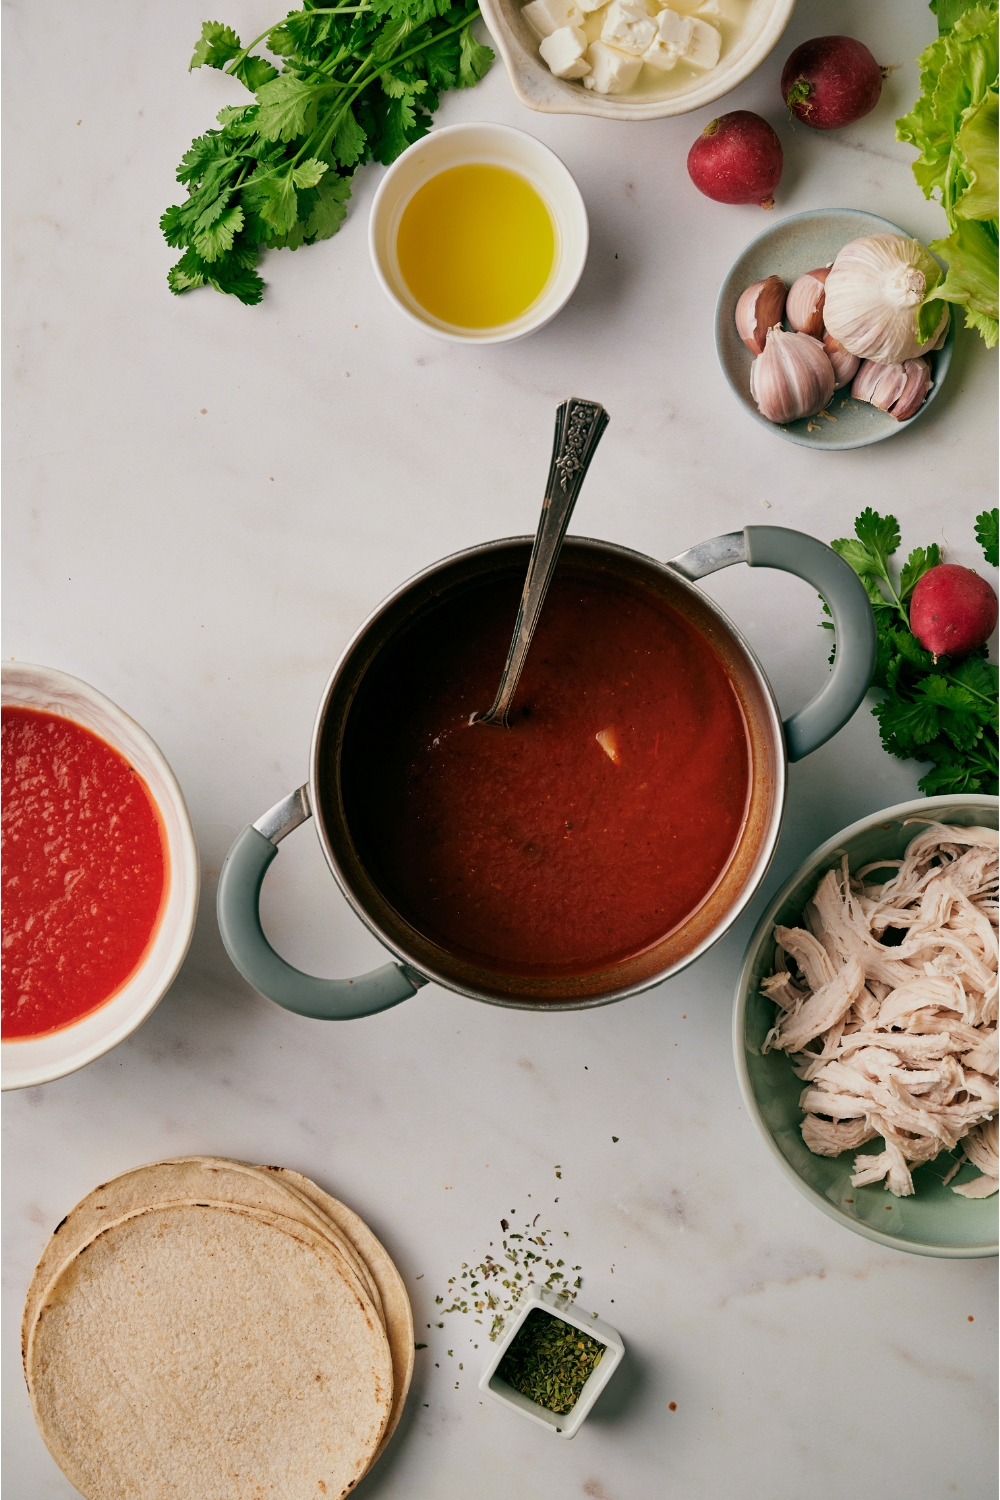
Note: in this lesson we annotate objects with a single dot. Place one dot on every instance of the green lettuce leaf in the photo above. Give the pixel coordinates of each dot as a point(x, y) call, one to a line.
point(977, 143)
point(971, 253)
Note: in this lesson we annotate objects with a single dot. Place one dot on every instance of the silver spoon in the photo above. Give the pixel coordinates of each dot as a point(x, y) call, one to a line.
point(579, 428)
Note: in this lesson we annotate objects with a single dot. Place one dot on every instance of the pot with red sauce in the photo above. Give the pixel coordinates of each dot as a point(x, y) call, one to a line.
point(601, 843)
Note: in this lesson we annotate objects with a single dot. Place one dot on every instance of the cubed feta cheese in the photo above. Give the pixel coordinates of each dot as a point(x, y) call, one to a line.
point(682, 39)
point(565, 52)
point(546, 16)
point(590, 5)
point(612, 72)
point(670, 42)
point(628, 26)
point(704, 46)
point(718, 11)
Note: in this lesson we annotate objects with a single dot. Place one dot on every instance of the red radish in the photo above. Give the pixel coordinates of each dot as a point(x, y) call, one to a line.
point(952, 610)
point(737, 159)
point(831, 81)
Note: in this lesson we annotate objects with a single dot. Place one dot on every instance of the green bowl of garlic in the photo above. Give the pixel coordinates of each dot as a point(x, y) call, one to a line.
point(938, 1217)
point(790, 249)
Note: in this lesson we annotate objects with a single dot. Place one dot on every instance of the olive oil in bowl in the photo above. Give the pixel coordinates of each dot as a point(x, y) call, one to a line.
point(476, 245)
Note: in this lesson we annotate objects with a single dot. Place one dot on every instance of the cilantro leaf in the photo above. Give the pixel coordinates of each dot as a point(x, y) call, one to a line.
point(905, 726)
point(330, 209)
point(218, 45)
point(238, 282)
point(349, 141)
point(880, 534)
point(864, 562)
point(188, 273)
point(254, 72)
point(279, 205)
point(286, 104)
point(204, 152)
point(173, 227)
point(919, 562)
point(474, 59)
point(309, 173)
point(217, 239)
point(988, 534)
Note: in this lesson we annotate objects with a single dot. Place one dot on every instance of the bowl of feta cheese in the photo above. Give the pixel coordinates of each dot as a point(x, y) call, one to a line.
point(631, 59)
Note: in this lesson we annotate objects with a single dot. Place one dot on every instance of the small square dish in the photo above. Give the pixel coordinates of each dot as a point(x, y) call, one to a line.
point(538, 1303)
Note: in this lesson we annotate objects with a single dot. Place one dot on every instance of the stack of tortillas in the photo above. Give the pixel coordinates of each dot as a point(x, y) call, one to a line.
point(207, 1330)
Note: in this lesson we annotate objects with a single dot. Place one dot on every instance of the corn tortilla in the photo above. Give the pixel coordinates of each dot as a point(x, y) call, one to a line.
point(188, 1351)
point(395, 1301)
point(181, 1180)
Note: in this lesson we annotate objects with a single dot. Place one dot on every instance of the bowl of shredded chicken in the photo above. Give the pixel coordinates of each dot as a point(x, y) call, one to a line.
point(866, 1026)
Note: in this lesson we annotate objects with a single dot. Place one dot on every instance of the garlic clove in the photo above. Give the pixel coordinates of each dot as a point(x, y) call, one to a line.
point(873, 296)
point(760, 308)
point(914, 394)
point(806, 296)
point(899, 389)
point(844, 365)
point(792, 378)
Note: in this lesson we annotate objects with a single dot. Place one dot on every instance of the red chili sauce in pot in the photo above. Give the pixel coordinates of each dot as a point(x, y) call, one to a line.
point(84, 869)
point(585, 833)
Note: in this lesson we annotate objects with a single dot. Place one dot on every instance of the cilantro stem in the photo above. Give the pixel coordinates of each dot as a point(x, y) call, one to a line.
point(241, 56)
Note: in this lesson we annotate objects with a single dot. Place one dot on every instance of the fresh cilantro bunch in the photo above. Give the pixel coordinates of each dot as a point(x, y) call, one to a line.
point(357, 82)
point(944, 711)
point(954, 127)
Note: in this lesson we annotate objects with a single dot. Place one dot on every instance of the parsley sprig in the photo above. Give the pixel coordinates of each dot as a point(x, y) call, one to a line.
point(944, 711)
point(358, 82)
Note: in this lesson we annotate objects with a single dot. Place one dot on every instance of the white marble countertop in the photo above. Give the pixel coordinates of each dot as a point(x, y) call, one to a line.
point(203, 502)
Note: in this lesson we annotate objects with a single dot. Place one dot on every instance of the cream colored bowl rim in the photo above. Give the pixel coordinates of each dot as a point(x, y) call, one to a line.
point(549, 305)
point(185, 878)
point(540, 90)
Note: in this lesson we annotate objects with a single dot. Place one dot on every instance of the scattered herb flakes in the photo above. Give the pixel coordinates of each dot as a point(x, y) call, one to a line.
point(357, 82)
point(550, 1361)
point(494, 1285)
point(941, 711)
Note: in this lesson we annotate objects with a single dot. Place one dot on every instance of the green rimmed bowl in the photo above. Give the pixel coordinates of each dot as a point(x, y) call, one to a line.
point(789, 248)
point(935, 1221)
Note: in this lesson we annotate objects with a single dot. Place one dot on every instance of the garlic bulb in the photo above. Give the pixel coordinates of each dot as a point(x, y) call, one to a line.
point(899, 389)
point(792, 378)
point(760, 308)
point(873, 294)
point(804, 308)
point(844, 364)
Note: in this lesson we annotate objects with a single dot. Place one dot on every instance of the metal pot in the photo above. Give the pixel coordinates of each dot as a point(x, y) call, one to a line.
point(772, 745)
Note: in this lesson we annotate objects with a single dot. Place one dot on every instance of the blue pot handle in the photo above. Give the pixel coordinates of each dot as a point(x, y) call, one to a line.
point(808, 558)
point(238, 908)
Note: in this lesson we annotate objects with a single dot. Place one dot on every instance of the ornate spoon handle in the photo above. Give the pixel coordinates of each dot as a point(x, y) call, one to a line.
point(579, 427)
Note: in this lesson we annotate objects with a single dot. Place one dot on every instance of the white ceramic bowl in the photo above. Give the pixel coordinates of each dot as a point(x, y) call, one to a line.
point(567, 1425)
point(536, 87)
point(495, 145)
point(33, 1060)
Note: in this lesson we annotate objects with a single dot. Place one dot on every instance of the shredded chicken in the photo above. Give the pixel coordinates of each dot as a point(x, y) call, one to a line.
point(898, 1038)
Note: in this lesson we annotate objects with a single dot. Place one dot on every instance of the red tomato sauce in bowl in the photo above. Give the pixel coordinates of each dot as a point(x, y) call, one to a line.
point(84, 871)
point(587, 832)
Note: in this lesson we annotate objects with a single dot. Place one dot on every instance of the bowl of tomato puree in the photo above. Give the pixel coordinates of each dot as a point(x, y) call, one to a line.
point(100, 875)
point(600, 843)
